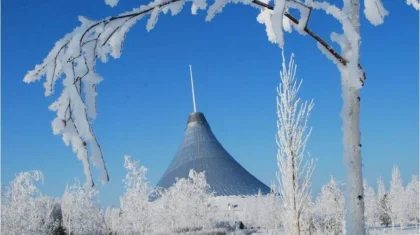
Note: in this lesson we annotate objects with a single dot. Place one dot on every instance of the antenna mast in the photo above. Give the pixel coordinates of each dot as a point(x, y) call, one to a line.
point(192, 88)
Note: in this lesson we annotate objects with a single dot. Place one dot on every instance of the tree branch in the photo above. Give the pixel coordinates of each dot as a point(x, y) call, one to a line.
point(313, 35)
point(257, 2)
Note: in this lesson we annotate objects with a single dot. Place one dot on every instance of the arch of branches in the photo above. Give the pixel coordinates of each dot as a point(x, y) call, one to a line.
point(73, 59)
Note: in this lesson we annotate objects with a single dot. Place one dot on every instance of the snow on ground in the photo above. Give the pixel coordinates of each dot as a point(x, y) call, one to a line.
point(409, 230)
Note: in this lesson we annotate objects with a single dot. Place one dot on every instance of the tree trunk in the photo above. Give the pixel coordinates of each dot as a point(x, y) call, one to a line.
point(352, 146)
point(353, 162)
point(297, 227)
point(393, 228)
point(294, 186)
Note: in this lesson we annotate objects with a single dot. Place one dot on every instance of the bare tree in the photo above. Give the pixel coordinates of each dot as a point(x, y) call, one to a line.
point(294, 175)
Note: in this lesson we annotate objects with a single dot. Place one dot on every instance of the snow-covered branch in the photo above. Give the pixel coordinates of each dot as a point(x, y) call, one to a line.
point(414, 3)
point(73, 58)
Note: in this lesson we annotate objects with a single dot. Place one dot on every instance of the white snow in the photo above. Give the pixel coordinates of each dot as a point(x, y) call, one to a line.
point(217, 7)
point(175, 8)
point(112, 3)
point(190, 205)
point(304, 15)
point(265, 18)
point(277, 21)
point(287, 24)
point(151, 22)
point(375, 11)
point(198, 4)
point(414, 3)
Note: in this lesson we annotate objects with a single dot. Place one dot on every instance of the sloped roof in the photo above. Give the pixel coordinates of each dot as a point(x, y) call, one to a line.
point(201, 151)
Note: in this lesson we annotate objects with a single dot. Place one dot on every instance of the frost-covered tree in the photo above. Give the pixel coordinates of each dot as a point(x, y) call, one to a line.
point(382, 202)
point(263, 211)
point(381, 189)
point(412, 200)
point(396, 200)
point(270, 216)
point(112, 219)
point(385, 210)
point(135, 215)
point(24, 210)
point(253, 211)
point(294, 175)
point(371, 206)
point(329, 209)
point(352, 77)
point(309, 219)
point(185, 205)
point(81, 211)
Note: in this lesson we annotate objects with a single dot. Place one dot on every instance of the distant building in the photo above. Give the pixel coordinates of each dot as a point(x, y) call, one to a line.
point(201, 151)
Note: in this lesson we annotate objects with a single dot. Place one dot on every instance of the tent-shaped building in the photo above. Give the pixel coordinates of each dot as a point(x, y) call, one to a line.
point(201, 151)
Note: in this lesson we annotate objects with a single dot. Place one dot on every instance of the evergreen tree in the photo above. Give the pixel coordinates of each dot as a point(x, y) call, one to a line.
point(384, 216)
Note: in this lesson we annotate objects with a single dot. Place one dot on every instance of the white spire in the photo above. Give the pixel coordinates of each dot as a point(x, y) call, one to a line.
point(192, 88)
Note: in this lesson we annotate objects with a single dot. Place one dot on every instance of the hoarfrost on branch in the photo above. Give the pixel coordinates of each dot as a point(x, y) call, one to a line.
point(294, 175)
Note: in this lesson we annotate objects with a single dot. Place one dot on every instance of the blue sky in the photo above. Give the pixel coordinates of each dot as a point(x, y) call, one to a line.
point(145, 98)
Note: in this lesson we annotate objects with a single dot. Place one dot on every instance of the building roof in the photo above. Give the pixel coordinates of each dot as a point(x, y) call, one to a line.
point(201, 151)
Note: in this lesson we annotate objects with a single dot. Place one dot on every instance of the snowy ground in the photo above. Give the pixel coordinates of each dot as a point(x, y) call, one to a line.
point(410, 230)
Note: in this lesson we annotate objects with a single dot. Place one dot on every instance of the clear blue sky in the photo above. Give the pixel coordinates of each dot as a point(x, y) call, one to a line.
point(145, 98)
